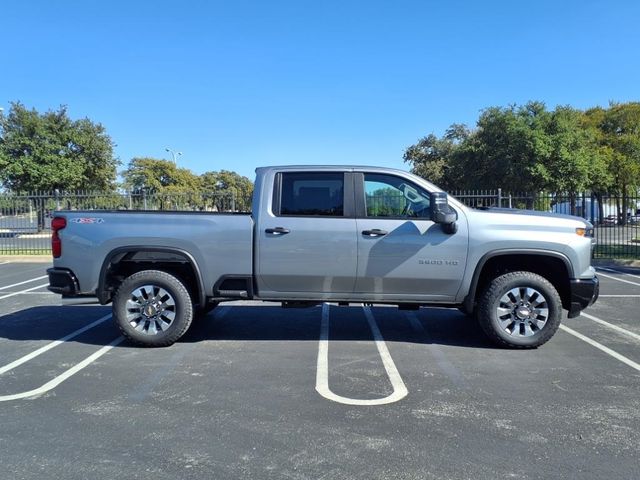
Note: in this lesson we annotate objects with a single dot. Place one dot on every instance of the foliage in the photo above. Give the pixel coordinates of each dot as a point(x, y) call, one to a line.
point(621, 127)
point(50, 151)
point(226, 184)
point(530, 149)
point(159, 176)
point(432, 157)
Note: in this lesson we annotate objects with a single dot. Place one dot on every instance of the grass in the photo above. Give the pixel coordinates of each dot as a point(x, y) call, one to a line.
point(22, 251)
point(617, 251)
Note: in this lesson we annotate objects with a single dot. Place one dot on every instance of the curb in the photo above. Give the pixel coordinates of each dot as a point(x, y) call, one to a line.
point(26, 259)
point(612, 262)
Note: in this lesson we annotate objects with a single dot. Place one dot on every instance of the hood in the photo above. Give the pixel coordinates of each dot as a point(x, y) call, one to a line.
point(532, 213)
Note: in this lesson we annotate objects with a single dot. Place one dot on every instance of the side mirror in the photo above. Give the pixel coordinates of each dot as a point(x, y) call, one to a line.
point(443, 213)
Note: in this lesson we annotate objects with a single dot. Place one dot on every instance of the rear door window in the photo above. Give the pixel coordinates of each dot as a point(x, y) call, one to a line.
point(312, 194)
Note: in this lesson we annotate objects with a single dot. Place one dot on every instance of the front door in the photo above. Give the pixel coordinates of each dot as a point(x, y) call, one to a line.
point(402, 254)
point(307, 245)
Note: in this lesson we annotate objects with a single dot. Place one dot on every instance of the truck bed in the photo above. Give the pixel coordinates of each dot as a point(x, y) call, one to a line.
point(220, 243)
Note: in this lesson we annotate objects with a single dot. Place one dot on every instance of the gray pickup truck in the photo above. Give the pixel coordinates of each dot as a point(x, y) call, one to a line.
point(330, 234)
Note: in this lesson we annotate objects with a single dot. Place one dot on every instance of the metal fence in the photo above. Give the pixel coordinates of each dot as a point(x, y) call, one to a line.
point(616, 219)
point(25, 219)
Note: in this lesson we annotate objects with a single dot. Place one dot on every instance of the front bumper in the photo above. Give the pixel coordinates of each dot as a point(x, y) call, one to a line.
point(584, 293)
point(63, 281)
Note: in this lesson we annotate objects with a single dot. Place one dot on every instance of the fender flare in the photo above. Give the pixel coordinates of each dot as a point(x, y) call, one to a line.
point(122, 251)
point(469, 300)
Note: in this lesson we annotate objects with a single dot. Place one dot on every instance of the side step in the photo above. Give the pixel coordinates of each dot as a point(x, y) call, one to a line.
point(233, 293)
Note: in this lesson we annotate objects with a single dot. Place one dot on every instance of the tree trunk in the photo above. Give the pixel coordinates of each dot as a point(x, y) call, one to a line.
point(572, 200)
point(599, 198)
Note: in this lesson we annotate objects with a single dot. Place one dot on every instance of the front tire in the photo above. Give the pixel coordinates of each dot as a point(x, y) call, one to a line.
point(152, 308)
point(520, 310)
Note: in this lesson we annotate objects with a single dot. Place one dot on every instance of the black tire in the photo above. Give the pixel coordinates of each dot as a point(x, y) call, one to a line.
point(169, 322)
point(520, 325)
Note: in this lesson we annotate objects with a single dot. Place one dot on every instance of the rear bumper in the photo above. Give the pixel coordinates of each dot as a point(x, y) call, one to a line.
point(584, 293)
point(63, 281)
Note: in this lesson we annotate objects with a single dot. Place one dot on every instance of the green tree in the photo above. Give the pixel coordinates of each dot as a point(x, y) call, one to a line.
point(160, 176)
point(225, 187)
point(163, 184)
point(502, 151)
point(434, 158)
point(508, 144)
point(44, 152)
point(564, 155)
point(621, 128)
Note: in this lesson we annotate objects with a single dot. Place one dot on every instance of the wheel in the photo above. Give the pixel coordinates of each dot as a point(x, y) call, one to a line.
point(201, 312)
point(520, 310)
point(152, 308)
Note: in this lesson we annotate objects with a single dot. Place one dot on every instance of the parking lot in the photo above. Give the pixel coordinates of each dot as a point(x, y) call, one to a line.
point(256, 391)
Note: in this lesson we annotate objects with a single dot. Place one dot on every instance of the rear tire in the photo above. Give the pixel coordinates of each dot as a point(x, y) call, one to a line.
point(152, 308)
point(520, 310)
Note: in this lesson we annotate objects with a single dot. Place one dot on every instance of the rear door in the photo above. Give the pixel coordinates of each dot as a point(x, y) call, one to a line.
point(307, 244)
point(402, 254)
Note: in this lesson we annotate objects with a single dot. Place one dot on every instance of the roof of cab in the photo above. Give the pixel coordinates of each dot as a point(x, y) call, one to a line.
point(347, 168)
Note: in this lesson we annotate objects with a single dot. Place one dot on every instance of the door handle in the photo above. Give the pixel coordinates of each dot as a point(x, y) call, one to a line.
point(376, 232)
point(277, 231)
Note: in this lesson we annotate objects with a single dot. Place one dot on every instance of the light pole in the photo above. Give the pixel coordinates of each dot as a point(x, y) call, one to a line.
point(174, 154)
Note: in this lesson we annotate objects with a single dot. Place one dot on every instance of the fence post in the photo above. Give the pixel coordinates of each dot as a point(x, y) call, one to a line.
point(499, 198)
point(593, 208)
point(144, 199)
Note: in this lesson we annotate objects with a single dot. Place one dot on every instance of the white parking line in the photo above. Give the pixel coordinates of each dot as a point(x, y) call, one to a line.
point(600, 274)
point(322, 376)
point(51, 384)
point(619, 271)
point(23, 291)
point(49, 346)
point(34, 293)
point(4, 263)
point(22, 283)
point(611, 326)
point(599, 346)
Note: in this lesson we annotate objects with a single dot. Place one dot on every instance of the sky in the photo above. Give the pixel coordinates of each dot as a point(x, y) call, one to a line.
point(239, 84)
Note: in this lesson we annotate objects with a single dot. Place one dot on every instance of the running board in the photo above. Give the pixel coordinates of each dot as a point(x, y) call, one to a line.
point(234, 293)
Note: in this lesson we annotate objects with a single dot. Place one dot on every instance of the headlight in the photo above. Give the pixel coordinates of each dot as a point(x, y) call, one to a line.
point(584, 232)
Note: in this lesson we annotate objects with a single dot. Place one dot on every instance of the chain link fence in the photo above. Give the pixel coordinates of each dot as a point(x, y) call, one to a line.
point(25, 219)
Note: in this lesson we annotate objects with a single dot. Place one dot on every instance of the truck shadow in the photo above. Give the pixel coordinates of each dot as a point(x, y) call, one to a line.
point(429, 325)
point(256, 323)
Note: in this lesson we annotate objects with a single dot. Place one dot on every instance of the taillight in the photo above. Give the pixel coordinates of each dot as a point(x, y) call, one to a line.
point(57, 224)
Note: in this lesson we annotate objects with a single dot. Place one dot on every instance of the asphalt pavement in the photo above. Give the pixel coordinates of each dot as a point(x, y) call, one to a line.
point(256, 391)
